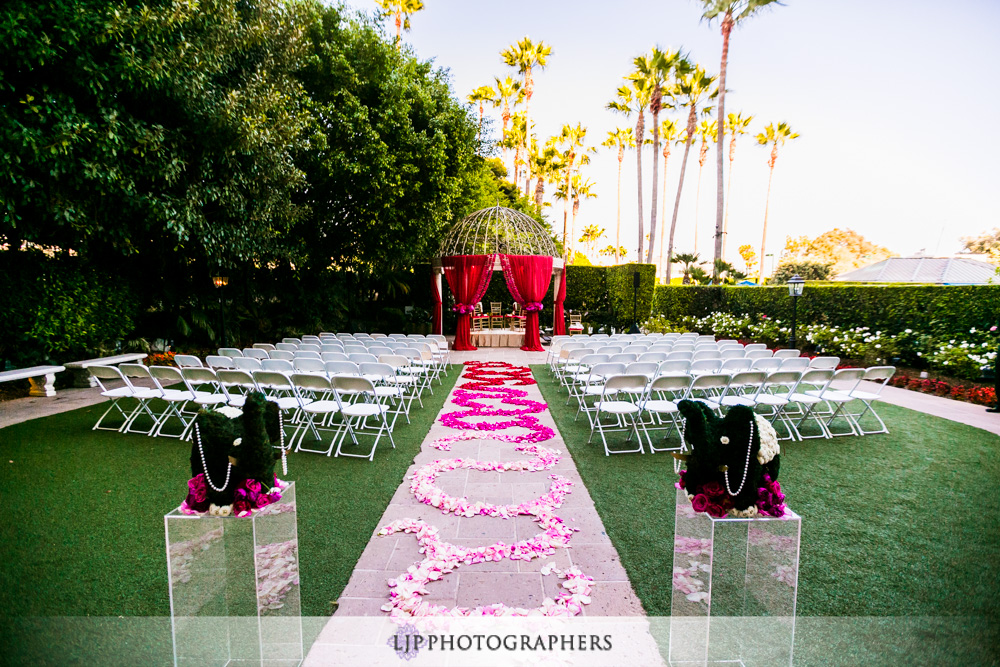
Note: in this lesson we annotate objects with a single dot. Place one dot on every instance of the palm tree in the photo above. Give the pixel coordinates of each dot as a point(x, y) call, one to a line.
point(669, 132)
point(591, 233)
point(690, 260)
point(525, 55)
point(706, 131)
point(692, 87)
point(508, 93)
point(582, 189)
point(479, 96)
point(618, 252)
point(732, 12)
point(401, 10)
point(633, 99)
point(655, 70)
point(725, 273)
point(774, 136)
point(545, 167)
point(736, 125)
point(621, 139)
point(515, 140)
point(571, 140)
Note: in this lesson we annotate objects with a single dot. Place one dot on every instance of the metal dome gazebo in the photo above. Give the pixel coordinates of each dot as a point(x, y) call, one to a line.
point(498, 239)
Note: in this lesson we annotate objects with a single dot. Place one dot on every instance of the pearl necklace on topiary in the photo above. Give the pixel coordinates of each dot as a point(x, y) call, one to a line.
point(746, 467)
point(204, 466)
point(281, 430)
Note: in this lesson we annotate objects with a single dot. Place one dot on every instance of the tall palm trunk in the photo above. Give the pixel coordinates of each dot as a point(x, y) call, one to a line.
point(703, 152)
point(618, 234)
point(539, 191)
point(517, 165)
point(692, 123)
point(399, 29)
point(479, 132)
point(529, 89)
point(567, 242)
point(720, 230)
point(767, 206)
point(729, 188)
point(506, 119)
point(663, 213)
point(654, 107)
point(572, 228)
point(640, 127)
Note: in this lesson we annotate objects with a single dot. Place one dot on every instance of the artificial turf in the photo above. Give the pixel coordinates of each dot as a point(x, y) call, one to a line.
point(900, 535)
point(83, 535)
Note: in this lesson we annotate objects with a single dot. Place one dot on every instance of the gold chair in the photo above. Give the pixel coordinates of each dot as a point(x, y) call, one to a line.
point(496, 314)
point(575, 324)
point(478, 317)
point(517, 318)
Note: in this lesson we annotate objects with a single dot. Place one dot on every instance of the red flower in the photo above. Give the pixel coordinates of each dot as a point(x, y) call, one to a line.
point(700, 502)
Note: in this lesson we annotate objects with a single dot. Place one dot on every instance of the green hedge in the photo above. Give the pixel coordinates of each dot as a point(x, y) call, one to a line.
point(59, 309)
point(620, 292)
point(941, 310)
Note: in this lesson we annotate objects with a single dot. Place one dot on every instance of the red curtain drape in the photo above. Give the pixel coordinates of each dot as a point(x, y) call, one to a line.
point(468, 277)
point(559, 328)
point(436, 294)
point(530, 275)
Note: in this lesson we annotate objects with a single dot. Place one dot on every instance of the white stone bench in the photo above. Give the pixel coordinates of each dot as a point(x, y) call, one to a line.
point(82, 378)
point(42, 378)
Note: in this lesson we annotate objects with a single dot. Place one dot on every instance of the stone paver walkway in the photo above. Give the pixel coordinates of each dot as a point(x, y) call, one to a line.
point(516, 583)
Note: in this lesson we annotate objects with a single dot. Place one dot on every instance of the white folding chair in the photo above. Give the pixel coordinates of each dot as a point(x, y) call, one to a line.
point(660, 403)
point(236, 385)
point(758, 354)
point(188, 361)
point(736, 365)
point(316, 398)
point(742, 388)
point(837, 395)
point(166, 379)
point(787, 354)
point(675, 367)
point(279, 365)
point(825, 362)
point(219, 361)
point(880, 375)
point(230, 352)
point(387, 391)
point(624, 412)
point(105, 376)
point(267, 347)
point(705, 367)
point(709, 389)
point(592, 386)
point(356, 414)
point(344, 368)
point(311, 366)
point(248, 363)
point(774, 393)
point(806, 399)
point(794, 363)
point(255, 352)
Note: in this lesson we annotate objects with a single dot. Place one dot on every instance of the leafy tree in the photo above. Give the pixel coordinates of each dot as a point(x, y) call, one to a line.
point(692, 88)
point(987, 243)
point(843, 249)
point(774, 135)
point(545, 164)
point(726, 274)
point(620, 139)
point(400, 10)
point(619, 252)
point(142, 127)
point(571, 141)
point(736, 125)
point(807, 269)
point(749, 257)
point(400, 162)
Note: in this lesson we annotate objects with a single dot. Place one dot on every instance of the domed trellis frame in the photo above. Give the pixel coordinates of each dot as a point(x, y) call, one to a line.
point(496, 232)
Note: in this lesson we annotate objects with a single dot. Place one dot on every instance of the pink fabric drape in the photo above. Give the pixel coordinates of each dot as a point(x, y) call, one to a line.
point(559, 326)
point(468, 277)
point(436, 293)
point(528, 277)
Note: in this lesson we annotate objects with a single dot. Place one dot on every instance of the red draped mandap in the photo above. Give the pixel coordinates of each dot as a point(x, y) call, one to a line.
point(492, 239)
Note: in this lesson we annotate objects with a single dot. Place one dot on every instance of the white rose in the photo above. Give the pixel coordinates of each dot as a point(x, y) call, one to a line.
point(213, 509)
point(229, 411)
point(724, 440)
point(225, 510)
point(237, 442)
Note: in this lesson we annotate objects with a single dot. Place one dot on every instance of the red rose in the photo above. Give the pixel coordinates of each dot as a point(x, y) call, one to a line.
point(700, 502)
point(716, 510)
point(712, 489)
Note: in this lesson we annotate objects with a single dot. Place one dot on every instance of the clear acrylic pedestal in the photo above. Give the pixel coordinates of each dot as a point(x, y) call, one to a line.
point(234, 587)
point(734, 588)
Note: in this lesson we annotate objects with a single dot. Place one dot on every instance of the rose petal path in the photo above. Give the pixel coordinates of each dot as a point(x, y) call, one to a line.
point(510, 526)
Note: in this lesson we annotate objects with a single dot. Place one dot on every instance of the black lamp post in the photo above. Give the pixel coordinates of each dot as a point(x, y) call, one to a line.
point(220, 282)
point(635, 302)
point(795, 285)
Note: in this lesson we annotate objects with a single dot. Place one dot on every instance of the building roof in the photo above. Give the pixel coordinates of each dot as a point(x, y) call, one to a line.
point(937, 270)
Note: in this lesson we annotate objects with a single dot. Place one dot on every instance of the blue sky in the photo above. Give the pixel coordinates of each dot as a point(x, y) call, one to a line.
point(896, 103)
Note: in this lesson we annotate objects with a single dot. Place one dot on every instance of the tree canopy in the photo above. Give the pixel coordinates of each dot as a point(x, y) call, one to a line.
point(843, 249)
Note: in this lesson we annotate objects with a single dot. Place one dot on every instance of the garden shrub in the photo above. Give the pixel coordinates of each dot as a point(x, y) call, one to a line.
point(943, 311)
point(59, 308)
point(620, 292)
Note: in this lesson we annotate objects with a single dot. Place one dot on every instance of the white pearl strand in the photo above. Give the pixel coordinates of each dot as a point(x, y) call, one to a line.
point(284, 459)
point(746, 467)
point(204, 467)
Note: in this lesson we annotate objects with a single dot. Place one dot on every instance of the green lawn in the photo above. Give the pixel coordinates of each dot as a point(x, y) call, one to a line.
point(903, 527)
point(83, 535)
